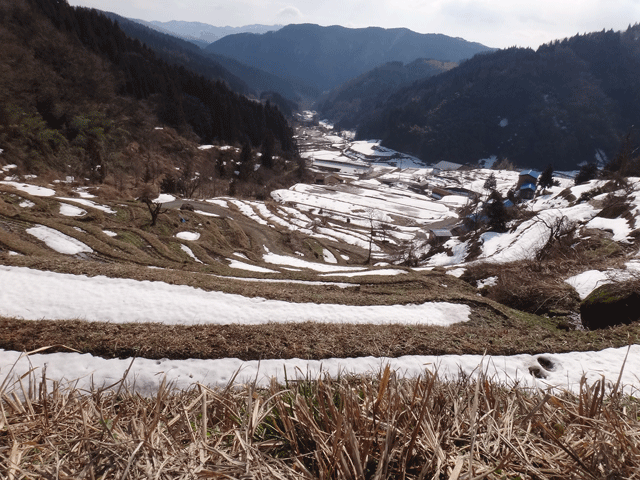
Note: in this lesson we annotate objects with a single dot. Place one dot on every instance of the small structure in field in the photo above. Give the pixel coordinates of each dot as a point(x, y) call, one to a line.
point(528, 176)
point(527, 191)
point(332, 179)
point(443, 165)
point(438, 236)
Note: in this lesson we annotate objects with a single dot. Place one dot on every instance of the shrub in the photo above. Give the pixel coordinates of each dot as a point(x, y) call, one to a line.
point(525, 286)
point(587, 172)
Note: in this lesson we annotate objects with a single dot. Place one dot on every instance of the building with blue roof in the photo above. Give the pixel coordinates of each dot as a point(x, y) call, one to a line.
point(528, 176)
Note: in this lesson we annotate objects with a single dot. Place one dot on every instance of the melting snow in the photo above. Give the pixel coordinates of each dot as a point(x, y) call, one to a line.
point(33, 295)
point(189, 252)
point(190, 236)
point(89, 203)
point(164, 198)
point(34, 190)
point(57, 241)
point(71, 210)
point(562, 371)
point(249, 267)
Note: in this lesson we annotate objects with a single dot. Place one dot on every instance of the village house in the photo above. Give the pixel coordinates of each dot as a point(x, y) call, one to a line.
point(527, 182)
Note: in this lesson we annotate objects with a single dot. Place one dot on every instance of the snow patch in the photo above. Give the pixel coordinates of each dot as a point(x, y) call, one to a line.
point(34, 190)
point(34, 295)
point(189, 252)
point(71, 210)
point(57, 241)
point(189, 236)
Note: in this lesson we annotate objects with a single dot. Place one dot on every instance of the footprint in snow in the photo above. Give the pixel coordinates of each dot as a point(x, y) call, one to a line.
point(542, 366)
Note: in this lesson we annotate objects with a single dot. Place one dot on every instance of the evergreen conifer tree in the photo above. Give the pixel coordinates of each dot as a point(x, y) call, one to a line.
point(546, 178)
point(491, 183)
point(587, 172)
point(496, 212)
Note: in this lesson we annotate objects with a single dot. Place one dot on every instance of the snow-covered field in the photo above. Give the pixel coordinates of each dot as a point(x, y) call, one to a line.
point(369, 191)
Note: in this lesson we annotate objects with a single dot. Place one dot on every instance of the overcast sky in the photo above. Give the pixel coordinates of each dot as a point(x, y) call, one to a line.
point(495, 23)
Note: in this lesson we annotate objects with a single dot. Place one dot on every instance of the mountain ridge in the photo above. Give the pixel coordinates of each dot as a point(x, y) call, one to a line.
point(325, 57)
point(175, 49)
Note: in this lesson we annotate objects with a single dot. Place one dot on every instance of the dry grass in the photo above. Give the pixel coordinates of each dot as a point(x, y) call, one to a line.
point(347, 428)
point(486, 332)
point(525, 285)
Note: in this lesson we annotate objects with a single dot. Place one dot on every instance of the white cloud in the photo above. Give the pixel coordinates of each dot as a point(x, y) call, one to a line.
point(289, 14)
point(496, 23)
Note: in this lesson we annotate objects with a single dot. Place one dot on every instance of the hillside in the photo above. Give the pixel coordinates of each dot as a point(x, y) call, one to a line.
point(177, 51)
point(327, 313)
point(325, 57)
point(349, 104)
point(569, 102)
point(79, 98)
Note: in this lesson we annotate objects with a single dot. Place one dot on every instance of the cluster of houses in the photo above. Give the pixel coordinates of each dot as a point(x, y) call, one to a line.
point(525, 189)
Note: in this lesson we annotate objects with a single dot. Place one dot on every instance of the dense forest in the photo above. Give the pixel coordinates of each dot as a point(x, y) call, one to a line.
point(177, 51)
point(211, 109)
point(567, 102)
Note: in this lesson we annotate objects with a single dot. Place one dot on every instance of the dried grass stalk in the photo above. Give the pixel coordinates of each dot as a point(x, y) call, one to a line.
point(346, 428)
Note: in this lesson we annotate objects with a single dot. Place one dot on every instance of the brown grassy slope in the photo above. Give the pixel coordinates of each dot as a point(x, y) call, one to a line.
point(493, 328)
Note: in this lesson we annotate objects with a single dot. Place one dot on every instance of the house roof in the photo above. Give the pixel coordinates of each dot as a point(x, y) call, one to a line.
point(441, 232)
point(447, 165)
point(531, 173)
point(528, 186)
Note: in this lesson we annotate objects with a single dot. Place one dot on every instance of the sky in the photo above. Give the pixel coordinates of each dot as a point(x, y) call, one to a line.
point(495, 23)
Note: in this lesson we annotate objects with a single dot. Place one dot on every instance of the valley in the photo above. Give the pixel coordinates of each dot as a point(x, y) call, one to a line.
point(315, 252)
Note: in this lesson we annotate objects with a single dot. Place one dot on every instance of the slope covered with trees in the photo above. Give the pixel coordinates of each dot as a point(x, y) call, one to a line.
point(350, 103)
point(568, 102)
point(177, 51)
point(240, 78)
point(75, 91)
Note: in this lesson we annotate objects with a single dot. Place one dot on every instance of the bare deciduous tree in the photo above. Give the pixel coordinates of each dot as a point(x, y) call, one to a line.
point(155, 208)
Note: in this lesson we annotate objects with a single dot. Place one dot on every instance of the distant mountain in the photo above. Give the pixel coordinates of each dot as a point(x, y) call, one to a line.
point(324, 57)
point(258, 80)
point(350, 103)
point(241, 78)
point(180, 52)
point(209, 33)
point(566, 103)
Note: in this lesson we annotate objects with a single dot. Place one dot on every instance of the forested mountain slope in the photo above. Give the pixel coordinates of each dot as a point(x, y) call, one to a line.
point(567, 102)
point(177, 51)
point(76, 93)
point(241, 78)
point(349, 104)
